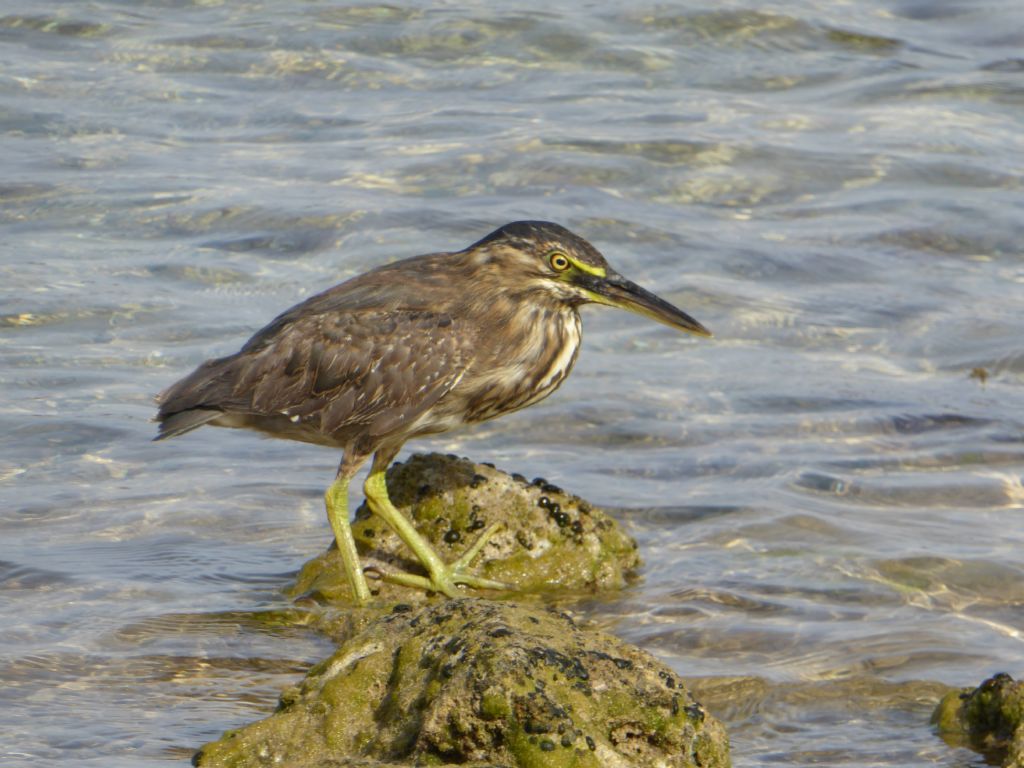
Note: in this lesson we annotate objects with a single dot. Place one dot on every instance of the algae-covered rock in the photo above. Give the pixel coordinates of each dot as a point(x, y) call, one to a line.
point(551, 540)
point(988, 719)
point(474, 683)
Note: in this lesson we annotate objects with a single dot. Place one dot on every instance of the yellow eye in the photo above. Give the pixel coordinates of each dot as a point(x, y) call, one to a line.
point(559, 261)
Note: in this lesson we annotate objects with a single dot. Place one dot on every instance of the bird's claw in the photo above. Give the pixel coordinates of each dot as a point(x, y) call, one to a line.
point(448, 578)
point(446, 583)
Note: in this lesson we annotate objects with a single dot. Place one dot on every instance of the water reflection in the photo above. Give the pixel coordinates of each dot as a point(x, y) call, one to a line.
point(827, 496)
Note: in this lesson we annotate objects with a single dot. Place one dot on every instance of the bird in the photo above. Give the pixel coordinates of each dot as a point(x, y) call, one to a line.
point(414, 347)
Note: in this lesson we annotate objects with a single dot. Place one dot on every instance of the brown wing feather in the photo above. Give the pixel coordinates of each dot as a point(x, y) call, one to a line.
point(367, 372)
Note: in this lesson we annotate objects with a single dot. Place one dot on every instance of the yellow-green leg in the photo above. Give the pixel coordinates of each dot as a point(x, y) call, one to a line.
point(336, 499)
point(441, 577)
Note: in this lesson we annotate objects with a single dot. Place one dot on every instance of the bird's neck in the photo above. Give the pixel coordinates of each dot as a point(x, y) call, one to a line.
point(527, 348)
point(521, 320)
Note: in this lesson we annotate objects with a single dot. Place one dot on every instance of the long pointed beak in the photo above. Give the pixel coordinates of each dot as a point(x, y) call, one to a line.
point(616, 291)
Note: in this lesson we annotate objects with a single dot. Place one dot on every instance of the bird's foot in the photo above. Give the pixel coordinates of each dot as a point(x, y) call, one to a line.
point(446, 579)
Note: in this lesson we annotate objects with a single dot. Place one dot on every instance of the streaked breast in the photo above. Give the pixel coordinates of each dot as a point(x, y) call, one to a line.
point(529, 371)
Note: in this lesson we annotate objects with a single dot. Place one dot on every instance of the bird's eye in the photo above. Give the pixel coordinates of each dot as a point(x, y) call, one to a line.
point(558, 261)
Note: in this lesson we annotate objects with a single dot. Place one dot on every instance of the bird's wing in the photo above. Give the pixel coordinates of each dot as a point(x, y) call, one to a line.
point(371, 369)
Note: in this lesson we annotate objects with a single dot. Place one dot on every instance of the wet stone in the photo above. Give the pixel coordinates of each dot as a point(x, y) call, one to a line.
point(542, 544)
point(988, 719)
point(394, 694)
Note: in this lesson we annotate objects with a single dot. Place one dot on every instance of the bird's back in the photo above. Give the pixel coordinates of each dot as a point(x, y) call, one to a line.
point(333, 364)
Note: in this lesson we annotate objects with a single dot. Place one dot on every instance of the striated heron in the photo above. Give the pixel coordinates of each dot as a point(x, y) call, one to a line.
point(414, 348)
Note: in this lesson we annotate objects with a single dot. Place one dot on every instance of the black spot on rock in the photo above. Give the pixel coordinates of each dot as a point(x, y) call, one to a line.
point(571, 668)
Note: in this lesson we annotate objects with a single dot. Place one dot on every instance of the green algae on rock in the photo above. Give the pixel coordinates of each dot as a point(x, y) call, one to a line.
point(474, 683)
point(551, 540)
point(988, 719)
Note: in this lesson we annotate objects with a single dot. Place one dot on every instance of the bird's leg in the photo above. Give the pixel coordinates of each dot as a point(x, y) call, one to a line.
point(441, 577)
point(336, 500)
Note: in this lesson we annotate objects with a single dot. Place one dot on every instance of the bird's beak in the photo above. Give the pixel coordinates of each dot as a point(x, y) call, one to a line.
point(616, 291)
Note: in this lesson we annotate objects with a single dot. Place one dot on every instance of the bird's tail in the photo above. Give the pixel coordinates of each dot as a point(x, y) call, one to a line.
point(189, 403)
point(181, 422)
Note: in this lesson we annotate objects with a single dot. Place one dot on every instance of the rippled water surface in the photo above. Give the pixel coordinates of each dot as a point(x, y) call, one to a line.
point(828, 494)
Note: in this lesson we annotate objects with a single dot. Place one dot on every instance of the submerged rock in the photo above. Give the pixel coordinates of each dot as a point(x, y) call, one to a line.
point(480, 683)
point(988, 719)
point(551, 540)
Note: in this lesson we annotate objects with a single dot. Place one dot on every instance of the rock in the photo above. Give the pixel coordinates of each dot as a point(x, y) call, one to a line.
point(988, 719)
point(551, 539)
point(481, 683)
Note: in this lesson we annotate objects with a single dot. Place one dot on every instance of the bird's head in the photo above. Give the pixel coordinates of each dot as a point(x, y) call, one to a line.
point(546, 261)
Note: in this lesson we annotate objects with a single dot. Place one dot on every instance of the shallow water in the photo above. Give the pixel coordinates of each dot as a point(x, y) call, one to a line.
point(828, 493)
